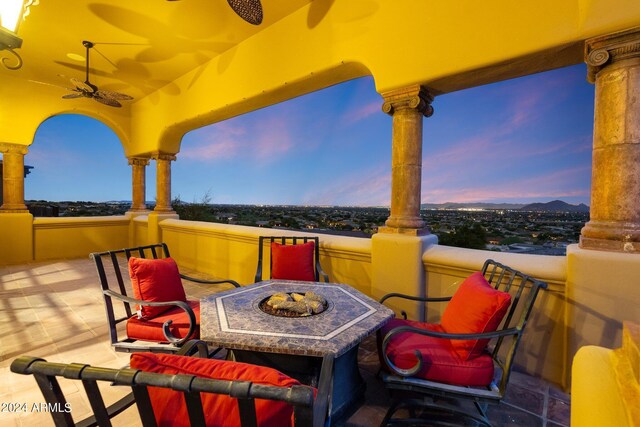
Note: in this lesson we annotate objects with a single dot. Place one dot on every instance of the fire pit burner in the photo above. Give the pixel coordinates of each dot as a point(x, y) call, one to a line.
point(293, 304)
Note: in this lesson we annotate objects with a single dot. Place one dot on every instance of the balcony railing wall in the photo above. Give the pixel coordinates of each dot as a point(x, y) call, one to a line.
point(56, 238)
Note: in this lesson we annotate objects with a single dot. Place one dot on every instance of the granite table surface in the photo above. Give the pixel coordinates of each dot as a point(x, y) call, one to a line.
point(233, 319)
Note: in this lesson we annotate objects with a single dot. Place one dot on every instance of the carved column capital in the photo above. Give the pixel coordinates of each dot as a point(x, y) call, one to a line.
point(6, 147)
point(605, 50)
point(158, 155)
point(414, 97)
point(138, 161)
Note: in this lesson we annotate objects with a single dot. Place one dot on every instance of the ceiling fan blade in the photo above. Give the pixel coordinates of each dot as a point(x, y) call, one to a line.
point(107, 101)
point(82, 86)
point(72, 96)
point(113, 95)
point(249, 10)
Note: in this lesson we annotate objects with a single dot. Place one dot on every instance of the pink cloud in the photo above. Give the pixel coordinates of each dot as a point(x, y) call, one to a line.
point(225, 149)
point(273, 139)
point(557, 184)
point(365, 188)
point(264, 140)
point(362, 112)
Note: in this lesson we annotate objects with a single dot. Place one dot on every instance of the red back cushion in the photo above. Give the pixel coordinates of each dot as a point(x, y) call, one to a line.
point(475, 308)
point(293, 262)
point(156, 280)
point(169, 406)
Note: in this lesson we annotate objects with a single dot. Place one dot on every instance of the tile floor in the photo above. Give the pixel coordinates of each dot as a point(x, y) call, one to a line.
point(54, 310)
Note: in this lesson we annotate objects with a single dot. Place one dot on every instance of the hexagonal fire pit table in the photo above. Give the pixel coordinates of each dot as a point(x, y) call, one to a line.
point(297, 345)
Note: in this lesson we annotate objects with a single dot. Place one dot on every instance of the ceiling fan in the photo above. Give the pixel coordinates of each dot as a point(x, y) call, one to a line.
point(249, 10)
point(87, 89)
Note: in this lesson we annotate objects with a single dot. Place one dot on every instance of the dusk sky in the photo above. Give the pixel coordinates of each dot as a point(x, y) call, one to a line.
point(520, 141)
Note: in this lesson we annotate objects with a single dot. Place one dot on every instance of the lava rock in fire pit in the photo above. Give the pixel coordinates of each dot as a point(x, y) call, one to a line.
point(303, 305)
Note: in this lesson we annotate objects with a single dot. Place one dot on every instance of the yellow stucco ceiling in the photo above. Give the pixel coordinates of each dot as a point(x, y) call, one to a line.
point(141, 46)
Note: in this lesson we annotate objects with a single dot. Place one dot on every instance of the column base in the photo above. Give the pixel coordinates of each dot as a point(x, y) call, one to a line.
point(612, 236)
point(138, 212)
point(153, 224)
point(412, 225)
point(404, 230)
point(397, 266)
point(4, 210)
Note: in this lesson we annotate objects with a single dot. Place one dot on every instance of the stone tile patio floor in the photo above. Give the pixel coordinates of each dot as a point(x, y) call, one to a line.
point(54, 310)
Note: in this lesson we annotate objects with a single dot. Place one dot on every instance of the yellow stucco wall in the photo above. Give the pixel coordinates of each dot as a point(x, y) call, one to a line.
point(56, 238)
point(16, 235)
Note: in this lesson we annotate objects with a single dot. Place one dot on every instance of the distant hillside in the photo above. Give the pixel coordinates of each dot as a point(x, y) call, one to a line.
point(477, 205)
point(555, 206)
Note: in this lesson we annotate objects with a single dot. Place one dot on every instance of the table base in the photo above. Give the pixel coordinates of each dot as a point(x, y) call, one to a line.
point(347, 385)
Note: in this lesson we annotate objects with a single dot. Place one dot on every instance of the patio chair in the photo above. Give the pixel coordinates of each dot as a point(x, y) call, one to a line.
point(468, 356)
point(177, 390)
point(164, 319)
point(292, 258)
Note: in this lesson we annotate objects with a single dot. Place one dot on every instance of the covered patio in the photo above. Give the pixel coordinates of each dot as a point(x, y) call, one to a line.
point(177, 66)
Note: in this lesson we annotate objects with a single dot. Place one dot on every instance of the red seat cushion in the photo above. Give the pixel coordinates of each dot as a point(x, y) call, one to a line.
point(475, 308)
point(219, 410)
point(151, 329)
point(293, 262)
point(155, 280)
point(440, 362)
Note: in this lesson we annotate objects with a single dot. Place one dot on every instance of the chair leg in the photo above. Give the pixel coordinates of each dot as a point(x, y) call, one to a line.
point(449, 414)
point(482, 408)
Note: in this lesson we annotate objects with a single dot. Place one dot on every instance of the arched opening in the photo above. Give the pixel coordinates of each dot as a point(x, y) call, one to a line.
point(78, 165)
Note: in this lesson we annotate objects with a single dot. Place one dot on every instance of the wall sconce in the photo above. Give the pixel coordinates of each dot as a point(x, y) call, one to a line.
point(12, 12)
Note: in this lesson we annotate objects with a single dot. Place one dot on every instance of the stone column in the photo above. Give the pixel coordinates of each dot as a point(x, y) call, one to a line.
point(13, 178)
point(614, 66)
point(407, 106)
point(163, 181)
point(138, 185)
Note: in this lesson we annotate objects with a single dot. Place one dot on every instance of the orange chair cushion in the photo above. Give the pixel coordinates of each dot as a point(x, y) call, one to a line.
point(293, 262)
point(151, 329)
point(476, 307)
point(441, 362)
point(219, 410)
point(155, 280)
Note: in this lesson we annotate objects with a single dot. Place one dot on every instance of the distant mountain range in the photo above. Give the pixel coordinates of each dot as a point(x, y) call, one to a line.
point(553, 206)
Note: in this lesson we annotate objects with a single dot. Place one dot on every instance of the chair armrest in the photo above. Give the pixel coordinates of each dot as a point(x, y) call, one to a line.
point(209, 282)
point(413, 298)
point(165, 326)
point(444, 335)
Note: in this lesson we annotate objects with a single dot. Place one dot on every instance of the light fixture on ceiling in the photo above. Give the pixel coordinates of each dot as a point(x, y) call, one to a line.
point(12, 12)
point(249, 10)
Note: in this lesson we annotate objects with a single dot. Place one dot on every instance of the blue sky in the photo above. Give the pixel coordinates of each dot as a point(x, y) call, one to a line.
point(523, 140)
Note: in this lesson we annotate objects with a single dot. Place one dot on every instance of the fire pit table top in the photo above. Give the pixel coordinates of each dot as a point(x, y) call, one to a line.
point(233, 319)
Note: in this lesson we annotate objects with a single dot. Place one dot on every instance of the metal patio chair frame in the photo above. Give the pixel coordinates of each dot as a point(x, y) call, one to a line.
point(293, 240)
point(306, 411)
point(110, 293)
point(524, 291)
